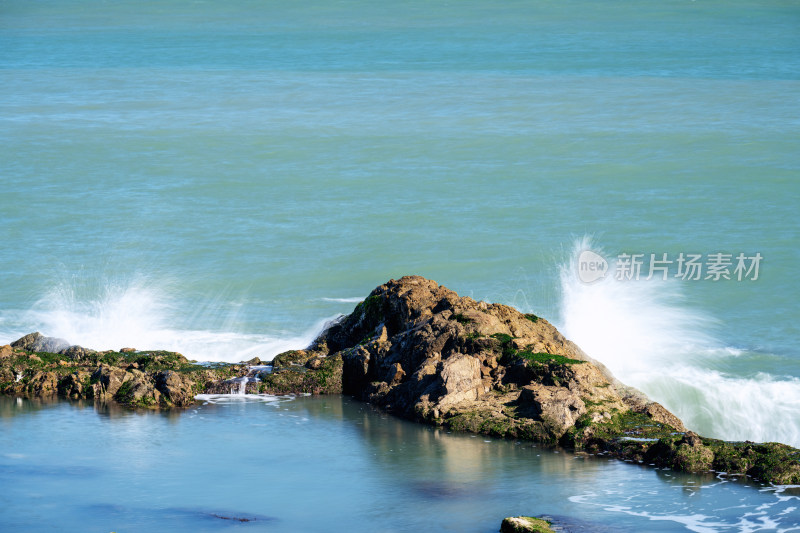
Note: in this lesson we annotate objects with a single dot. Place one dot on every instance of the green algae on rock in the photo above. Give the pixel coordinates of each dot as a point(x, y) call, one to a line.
point(303, 371)
point(151, 379)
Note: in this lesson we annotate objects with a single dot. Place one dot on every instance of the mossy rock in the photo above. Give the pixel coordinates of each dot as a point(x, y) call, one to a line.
point(372, 308)
point(510, 355)
point(485, 422)
point(525, 524)
point(158, 360)
point(728, 457)
point(291, 358)
point(462, 319)
point(498, 426)
point(776, 463)
point(628, 425)
point(693, 458)
point(536, 431)
point(327, 379)
point(469, 421)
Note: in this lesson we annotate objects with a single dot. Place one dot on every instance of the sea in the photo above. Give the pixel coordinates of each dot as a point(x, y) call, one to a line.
point(223, 179)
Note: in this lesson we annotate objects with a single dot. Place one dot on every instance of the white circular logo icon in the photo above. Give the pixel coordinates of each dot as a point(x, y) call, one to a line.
point(591, 266)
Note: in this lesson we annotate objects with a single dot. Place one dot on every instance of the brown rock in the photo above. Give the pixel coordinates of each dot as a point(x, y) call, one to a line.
point(383, 336)
point(419, 348)
point(356, 370)
point(77, 352)
point(42, 383)
point(176, 388)
point(559, 407)
point(461, 379)
point(76, 385)
point(6, 351)
point(7, 374)
point(107, 381)
point(657, 412)
point(692, 439)
point(314, 363)
point(395, 374)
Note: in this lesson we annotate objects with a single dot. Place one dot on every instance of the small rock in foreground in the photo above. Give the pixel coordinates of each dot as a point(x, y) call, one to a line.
point(525, 524)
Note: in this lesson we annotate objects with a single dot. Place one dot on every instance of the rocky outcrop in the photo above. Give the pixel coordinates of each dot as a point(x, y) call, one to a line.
point(419, 350)
point(138, 379)
point(423, 352)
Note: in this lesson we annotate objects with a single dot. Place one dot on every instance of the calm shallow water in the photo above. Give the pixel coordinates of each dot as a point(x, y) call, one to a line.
point(331, 464)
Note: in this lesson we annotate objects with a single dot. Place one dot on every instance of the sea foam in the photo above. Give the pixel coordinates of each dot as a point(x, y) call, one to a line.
point(144, 315)
point(649, 336)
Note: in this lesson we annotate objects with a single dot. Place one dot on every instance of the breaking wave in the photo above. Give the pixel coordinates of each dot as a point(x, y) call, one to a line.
point(143, 316)
point(647, 334)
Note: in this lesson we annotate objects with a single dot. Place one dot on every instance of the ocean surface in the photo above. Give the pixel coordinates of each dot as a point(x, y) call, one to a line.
point(332, 464)
point(222, 178)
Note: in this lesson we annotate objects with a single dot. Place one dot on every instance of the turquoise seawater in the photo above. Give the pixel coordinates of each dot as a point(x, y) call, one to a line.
point(331, 465)
point(221, 178)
